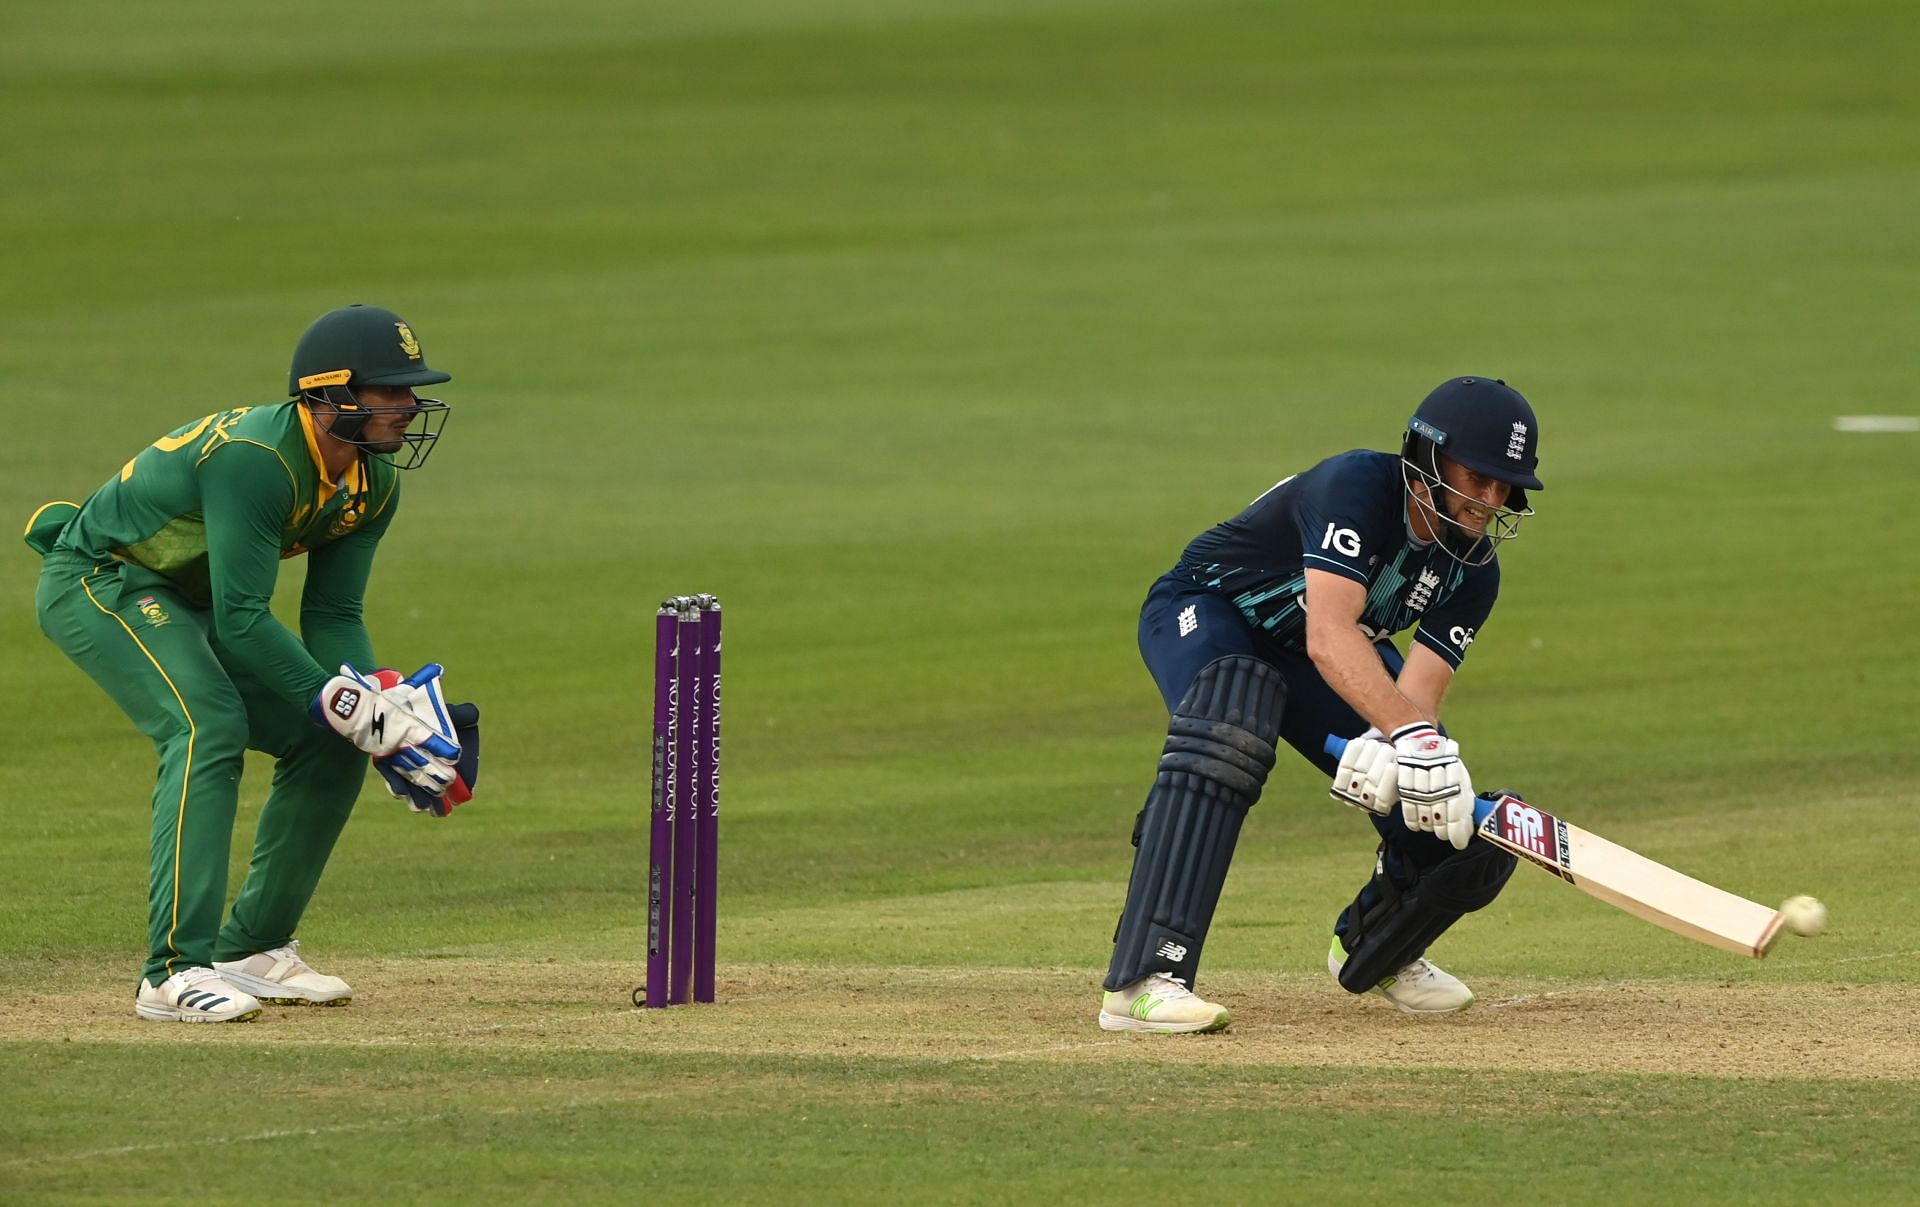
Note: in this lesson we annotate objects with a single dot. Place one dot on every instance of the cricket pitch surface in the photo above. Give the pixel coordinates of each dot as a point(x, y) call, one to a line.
point(1695, 1027)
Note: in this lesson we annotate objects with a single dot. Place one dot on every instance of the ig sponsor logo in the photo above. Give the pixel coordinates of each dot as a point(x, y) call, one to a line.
point(1343, 540)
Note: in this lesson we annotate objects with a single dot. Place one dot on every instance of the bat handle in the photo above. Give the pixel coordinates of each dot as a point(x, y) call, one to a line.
point(1335, 745)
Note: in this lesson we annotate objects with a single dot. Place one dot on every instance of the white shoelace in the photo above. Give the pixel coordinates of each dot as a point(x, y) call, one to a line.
point(290, 953)
point(1174, 988)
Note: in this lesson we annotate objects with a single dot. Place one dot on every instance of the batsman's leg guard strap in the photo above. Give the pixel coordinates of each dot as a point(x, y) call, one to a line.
point(1401, 924)
point(1218, 753)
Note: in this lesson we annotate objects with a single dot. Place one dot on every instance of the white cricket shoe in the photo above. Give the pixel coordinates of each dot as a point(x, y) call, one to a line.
point(1160, 1003)
point(194, 995)
point(1419, 988)
point(280, 976)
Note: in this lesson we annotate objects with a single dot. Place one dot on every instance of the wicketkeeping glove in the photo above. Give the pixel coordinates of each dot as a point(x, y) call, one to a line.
point(466, 727)
point(425, 767)
point(389, 715)
point(1436, 794)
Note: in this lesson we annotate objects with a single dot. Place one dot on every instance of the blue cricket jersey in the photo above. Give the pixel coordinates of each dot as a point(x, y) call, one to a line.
point(1346, 515)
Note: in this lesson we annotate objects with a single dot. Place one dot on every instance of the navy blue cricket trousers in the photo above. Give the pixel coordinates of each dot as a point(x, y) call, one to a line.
point(1175, 650)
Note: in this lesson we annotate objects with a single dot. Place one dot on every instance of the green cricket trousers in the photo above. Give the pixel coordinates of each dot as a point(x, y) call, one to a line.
point(157, 656)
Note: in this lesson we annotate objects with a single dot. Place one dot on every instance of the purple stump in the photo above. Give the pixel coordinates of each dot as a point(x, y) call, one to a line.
point(706, 800)
point(687, 682)
point(666, 707)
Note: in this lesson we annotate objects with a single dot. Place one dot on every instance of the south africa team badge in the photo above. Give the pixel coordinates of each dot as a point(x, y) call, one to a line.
point(150, 608)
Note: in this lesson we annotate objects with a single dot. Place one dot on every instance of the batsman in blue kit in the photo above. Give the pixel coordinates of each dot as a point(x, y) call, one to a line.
point(1278, 624)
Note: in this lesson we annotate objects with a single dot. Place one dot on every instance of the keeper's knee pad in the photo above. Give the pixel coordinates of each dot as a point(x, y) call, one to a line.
point(1218, 753)
point(1403, 921)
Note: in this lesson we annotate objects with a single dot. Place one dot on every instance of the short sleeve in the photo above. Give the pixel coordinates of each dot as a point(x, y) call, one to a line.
point(1345, 515)
point(1450, 626)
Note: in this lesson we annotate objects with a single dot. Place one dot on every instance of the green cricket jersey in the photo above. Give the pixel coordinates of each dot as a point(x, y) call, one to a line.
point(214, 506)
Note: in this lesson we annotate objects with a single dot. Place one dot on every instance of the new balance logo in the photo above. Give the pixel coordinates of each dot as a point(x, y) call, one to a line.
point(1517, 443)
point(1189, 619)
point(1525, 825)
point(1172, 951)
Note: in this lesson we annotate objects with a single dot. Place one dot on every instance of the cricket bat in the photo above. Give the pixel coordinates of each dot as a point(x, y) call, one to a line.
point(1622, 878)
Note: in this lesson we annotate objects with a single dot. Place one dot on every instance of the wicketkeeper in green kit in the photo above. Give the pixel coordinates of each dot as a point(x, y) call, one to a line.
point(159, 585)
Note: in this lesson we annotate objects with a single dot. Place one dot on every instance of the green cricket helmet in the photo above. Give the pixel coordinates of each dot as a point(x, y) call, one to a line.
point(358, 346)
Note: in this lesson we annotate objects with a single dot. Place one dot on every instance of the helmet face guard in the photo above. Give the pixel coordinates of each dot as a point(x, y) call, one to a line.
point(1420, 462)
point(349, 417)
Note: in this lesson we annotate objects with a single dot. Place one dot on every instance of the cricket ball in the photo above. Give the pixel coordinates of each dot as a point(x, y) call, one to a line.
point(1804, 915)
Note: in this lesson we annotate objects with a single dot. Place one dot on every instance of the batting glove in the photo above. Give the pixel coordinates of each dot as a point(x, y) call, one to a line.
point(1436, 794)
point(1369, 774)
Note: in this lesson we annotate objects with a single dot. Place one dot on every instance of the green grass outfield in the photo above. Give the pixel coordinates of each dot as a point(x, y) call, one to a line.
point(925, 335)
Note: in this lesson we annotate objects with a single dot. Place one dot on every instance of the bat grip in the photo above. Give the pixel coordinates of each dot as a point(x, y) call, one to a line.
point(1335, 745)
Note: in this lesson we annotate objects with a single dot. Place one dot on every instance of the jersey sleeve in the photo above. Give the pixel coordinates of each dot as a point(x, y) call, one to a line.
point(1344, 526)
point(1450, 626)
point(246, 496)
point(331, 608)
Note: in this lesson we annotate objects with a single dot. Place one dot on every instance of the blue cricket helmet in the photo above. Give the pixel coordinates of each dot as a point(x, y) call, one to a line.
point(1484, 424)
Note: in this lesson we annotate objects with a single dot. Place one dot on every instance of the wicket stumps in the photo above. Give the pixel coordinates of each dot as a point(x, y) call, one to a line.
point(683, 838)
